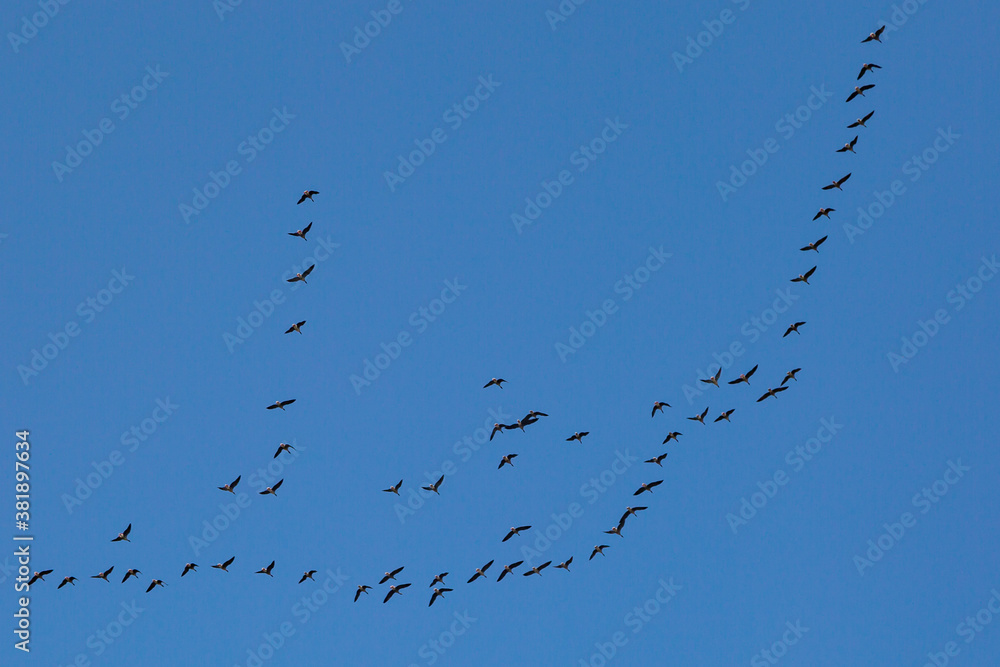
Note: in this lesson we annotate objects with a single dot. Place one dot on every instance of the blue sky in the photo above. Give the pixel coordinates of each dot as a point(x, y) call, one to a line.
point(154, 157)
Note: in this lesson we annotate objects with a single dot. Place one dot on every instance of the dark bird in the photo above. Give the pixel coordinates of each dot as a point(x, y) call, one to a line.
point(394, 488)
point(534, 415)
point(283, 447)
point(814, 245)
point(40, 576)
point(860, 122)
point(790, 375)
point(154, 583)
point(615, 530)
point(745, 377)
point(296, 327)
point(771, 392)
point(725, 415)
point(521, 423)
point(599, 549)
point(868, 67)
point(391, 575)
point(103, 575)
point(824, 211)
point(565, 564)
point(480, 572)
point(271, 489)
point(793, 327)
point(439, 579)
point(673, 435)
point(715, 378)
point(67, 580)
point(659, 405)
point(438, 593)
point(658, 460)
point(497, 428)
point(232, 485)
point(849, 146)
point(538, 570)
point(224, 566)
point(361, 589)
point(804, 277)
point(629, 511)
point(266, 570)
point(837, 184)
point(394, 590)
point(495, 381)
point(301, 276)
point(131, 573)
point(189, 567)
point(507, 460)
point(308, 194)
point(860, 91)
point(434, 487)
point(699, 418)
point(874, 36)
point(123, 536)
point(280, 405)
point(508, 569)
point(301, 233)
point(577, 436)
point(515, 531)
point(647, 487)
point(307, 575)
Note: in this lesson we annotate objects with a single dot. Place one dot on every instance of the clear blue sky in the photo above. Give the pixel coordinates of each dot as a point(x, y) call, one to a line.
point(250, 109)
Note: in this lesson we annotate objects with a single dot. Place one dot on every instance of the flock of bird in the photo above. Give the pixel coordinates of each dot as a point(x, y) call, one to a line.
point(438, 583)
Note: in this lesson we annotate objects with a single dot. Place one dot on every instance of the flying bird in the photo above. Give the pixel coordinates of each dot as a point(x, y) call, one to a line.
point(223, 566)
point(629, 511)
point(189, 567)
point(804, 277)
point(271, 489)
point(659, 405)
point(699, 418)
point(515, 531)
point(860, 91)
point(673, 435)
point(790, 375)
point(283, 447)
point(771, 392)
point(232, 485)
point(565, 564)
point(280, 405)
point(495, 381)
point(860, 122)
point(301, 233)
point(793, 327)
point(497, 428)
point(508, 569)
point(837, 184)
point(658, 460)
point(434, 487)
point(123, 536)
point(534, 415)
point(391, 575)
point(266, 570)
point(647, 487)
point(715, 378)
point(725, 415)
point(394, 590)
point(308, 194)
point(814, 245)
point(361, 589)
point(849, 146)
point(301, 276)
point(599, 549)
point(824, 211)
point(538, 570)
point(438, 593)
point(577, 436)
point(131, 573)
point(154, 583)
point(67, 580)
point(745, 377)
point(394, 488)
point(296, 327)
point(480, 572)
point(874, 36)
point(521, 423)
point(307, 575)
point(439, 579)
point(615, 530)
point(868, 67)
point(40, 576)
point(103, 575)
point(507, 460)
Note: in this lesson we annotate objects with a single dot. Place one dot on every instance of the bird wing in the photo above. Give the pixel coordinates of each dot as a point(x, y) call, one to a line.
point(308, 227)
point(308, 271)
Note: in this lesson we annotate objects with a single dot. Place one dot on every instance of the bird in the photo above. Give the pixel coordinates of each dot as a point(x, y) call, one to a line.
point(790, 375)
point(103, 575)
point(283, 447)
point(615, 530)
point(508, 569)
point(308, 194)
point(534, 415)
point(837, 184)
point(824, 211)
point(745, 377)
point(391, 575)
point(538, 570)
point(301, 276)
point(394, 590)
point(657, 459)
point(266, 570)
point(629, 511)
point(874, 36)
point(673, 435)
point(495, 381)
point(868, 67)
point(793, 327)
point(131, 573)
point(515, 531)
point(599, 549)
point(434, 487)
point(189, 567)
point(849, 146)
point(307, 575)
point(506, 460)
point(67, 580)
point(521, 423)
point(280, 405)
point(394, 488)
point(725, 415)
point(659, 405)
point(565, 564)
point(224, 566)
point(232, 485)
point(497, 428)
point(814, 245)
point(438, 593)
point(301, 233)
point(860, 90)
point(860, 122)
point(439, 579)
point(699, 418)
point(647, 486)
point(577, 436)
point(480, 572)
point(123, 536)
point(715, 378)
point(771, 392)
point(804, 277)
point(271, 489)
point(296, 327)
point(361, 589)
point(154, 583)
point(40, 576)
